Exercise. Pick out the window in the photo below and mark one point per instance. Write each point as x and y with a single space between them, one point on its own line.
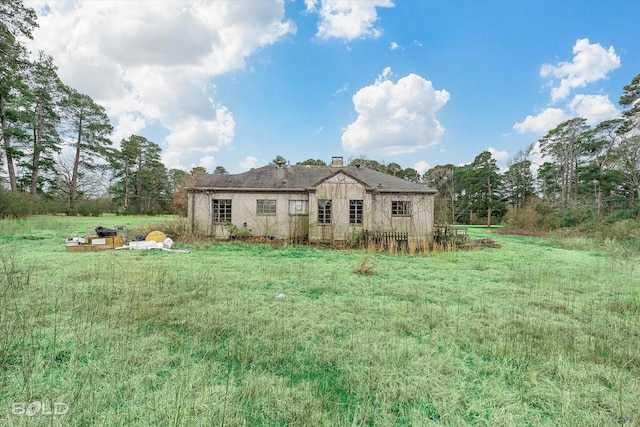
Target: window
324 211
298 207
221 211
355 211
265 207
400 208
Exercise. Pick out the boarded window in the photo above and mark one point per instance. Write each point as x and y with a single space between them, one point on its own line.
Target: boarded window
221 211
400 208
298 207
266 207
324 211
355 211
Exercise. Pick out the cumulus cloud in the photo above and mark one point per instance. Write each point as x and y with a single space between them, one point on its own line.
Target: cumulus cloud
591 62
208 162
594 108
249 162
347 19
422 167
150 63
395 118
395 46
498 155
543 122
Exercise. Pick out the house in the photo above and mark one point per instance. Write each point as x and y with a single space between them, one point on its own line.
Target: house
319 204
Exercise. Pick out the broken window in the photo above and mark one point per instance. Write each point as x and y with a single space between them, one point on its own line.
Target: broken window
298 207
355 211
324 211
400 208
221 211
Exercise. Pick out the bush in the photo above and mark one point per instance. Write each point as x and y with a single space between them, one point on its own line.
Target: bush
14 205
535 217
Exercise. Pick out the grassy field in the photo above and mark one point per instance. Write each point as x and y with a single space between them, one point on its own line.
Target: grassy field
530 334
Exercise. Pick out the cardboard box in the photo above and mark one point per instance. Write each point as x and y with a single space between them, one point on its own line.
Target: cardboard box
94 243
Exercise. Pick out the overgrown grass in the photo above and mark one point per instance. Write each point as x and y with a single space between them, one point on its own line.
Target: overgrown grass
529 334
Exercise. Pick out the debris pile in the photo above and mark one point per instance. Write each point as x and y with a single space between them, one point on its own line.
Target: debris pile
116 238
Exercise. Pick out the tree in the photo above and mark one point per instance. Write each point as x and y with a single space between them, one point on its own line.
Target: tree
196 171
628 160
441 178
369 164
16 22
143 183
410 174
88 124
564 146
45 92
220 170
394 169
279 160
518 179
90 184
599 146
178 180
312 162
485 186
630 99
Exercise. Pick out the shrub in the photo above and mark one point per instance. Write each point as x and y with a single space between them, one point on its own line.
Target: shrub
535 217
14 205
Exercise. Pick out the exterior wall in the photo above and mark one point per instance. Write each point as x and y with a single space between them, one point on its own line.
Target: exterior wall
244 215
419 224
339 189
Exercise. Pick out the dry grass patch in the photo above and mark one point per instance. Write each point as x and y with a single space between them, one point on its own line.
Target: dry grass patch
364 268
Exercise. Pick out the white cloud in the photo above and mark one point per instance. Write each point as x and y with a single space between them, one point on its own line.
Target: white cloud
150 63
395 118
249 162
594 108
128 124
543 122
395 46
498 155
192 136
591 62
347 19
422 167
208 162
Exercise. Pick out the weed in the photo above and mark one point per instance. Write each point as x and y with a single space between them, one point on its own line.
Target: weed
364 268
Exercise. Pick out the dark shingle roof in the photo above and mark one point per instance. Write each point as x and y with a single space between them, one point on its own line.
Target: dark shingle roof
300 178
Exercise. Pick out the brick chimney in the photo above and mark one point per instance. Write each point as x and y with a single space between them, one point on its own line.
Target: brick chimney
336 162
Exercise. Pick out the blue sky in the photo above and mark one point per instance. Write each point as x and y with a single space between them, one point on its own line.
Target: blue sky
419 83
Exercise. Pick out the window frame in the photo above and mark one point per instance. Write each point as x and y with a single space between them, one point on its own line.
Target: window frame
302 209
266 207
356 212
401 208
324 211
221 210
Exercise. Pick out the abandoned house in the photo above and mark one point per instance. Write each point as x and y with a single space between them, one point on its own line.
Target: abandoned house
318 204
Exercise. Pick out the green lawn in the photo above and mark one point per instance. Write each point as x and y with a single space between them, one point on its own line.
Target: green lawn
529 334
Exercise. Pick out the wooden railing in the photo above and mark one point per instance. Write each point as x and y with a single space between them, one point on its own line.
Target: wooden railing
397 240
